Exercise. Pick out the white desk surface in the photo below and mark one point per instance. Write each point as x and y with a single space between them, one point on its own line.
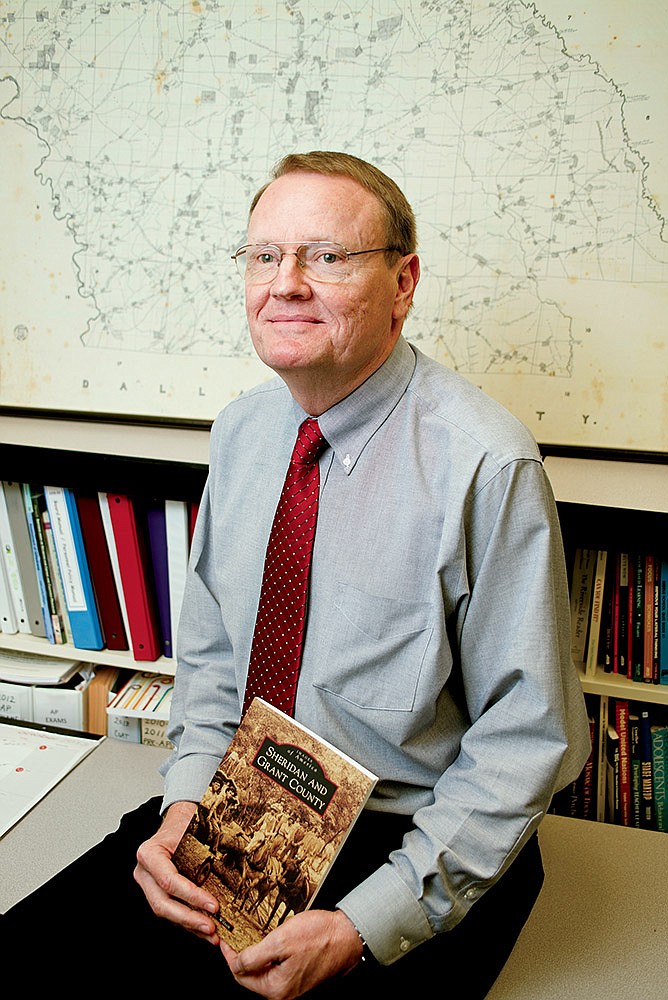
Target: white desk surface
598 931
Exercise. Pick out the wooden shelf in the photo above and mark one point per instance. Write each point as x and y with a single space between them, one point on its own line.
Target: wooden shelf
25 643
621 687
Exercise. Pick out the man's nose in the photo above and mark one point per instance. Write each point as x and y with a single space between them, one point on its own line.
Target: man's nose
289 278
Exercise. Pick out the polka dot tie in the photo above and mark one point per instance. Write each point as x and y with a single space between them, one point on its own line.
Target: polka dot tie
279 628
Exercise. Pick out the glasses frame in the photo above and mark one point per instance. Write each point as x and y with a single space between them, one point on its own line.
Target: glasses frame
271 274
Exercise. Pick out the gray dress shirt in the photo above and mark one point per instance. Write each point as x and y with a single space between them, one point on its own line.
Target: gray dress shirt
437 650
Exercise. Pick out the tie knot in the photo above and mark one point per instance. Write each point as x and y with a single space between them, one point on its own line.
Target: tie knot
310 443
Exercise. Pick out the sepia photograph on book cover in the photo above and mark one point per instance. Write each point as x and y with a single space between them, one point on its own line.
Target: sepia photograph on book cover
271 822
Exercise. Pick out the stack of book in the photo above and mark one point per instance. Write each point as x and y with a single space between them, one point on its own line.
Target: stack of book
102 570
619 613
624 779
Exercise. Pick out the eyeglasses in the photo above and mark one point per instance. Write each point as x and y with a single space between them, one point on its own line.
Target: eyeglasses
258 263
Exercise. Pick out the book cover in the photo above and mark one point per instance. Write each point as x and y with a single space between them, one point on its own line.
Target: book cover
659 765
178 552
648 629
103 501
637 641
271 823
612 813
601 758
663 621
597 610
46 595
8 622
582 581
647 789
620 638
104 584
98 695
74 569
56 577
134 566
21 544
621 723
636 769
156 522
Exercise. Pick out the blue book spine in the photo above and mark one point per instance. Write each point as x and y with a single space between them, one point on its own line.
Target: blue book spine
73 562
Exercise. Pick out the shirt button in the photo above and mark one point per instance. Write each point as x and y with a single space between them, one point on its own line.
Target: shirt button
404 945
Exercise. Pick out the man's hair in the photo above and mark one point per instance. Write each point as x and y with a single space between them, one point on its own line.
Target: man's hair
400 229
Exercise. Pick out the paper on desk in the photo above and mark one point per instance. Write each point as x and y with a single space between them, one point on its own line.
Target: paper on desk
33 759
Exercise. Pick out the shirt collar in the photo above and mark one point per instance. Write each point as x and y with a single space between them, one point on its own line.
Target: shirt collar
349 425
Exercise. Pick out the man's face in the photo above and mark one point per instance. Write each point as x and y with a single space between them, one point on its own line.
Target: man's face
320 337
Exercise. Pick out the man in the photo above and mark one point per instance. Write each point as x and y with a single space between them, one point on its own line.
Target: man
437 645
437 641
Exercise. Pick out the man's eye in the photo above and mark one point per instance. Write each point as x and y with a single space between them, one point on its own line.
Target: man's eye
328 257
266 257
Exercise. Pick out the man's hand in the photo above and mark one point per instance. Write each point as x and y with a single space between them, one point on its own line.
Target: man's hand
308 948
169 894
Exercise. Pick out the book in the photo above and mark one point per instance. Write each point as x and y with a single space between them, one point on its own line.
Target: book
621 615
56 577
103 500
621 723
601 758
636 769
104 583
156 522
659 767
648 629
596 616
26 586
22 667
134 566
8 623
178 552
98 695
663 621
612 813
636 617
647 789
74 568
46 595
582 582
271 823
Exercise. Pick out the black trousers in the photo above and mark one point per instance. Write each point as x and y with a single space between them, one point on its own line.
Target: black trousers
95 907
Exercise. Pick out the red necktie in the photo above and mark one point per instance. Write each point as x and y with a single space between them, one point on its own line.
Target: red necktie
279 627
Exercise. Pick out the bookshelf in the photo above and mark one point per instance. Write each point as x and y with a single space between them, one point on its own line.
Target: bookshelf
606 503
151 459
600 500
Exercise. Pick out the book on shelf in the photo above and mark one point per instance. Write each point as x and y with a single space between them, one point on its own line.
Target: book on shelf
621 724
601 758
663 621
156 523
582 582
636 768
612 812
647 788
8 623
133 560
56 577
47 595
597 612
636 617
22 667
659 768
104 584
620 612
271 823
178 553
74 568
648 630
18 549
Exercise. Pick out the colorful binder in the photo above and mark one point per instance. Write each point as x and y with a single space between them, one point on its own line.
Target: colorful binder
25 561
74 568
157 536
104 584
135 573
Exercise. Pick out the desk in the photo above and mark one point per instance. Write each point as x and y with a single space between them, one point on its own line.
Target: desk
598 931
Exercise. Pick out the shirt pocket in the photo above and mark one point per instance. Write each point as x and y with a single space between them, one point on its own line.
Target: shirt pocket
378 647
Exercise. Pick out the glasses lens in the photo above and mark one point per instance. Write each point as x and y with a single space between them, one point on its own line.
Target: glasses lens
259 263
325 261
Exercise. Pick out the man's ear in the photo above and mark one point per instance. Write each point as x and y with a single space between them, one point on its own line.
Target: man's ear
407 279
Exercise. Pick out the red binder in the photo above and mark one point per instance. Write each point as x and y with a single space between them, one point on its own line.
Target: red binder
104 585
135 572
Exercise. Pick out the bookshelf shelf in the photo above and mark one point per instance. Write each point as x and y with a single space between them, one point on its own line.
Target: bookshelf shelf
24 643
620 687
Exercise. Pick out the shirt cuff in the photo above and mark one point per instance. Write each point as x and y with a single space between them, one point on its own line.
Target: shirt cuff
386 916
